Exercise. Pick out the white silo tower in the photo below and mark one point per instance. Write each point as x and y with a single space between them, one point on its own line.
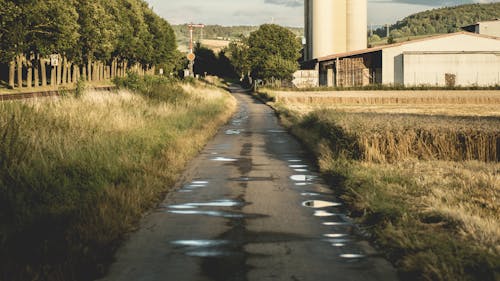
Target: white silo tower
357 25
334 26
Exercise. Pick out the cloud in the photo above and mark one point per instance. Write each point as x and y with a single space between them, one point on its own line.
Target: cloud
287 3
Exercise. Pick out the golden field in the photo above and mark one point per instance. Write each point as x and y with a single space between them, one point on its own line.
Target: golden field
419 170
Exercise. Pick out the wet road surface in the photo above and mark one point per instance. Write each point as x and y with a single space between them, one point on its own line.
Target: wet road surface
250 207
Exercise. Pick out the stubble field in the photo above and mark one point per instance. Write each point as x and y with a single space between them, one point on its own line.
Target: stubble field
420 171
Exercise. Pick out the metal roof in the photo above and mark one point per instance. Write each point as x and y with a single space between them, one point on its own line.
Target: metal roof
379 48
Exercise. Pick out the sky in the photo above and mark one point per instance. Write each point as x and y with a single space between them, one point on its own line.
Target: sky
282 12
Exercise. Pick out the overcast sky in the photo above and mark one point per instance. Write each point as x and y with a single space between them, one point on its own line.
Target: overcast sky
283 12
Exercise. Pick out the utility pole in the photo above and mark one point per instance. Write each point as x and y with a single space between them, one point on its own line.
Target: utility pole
191 55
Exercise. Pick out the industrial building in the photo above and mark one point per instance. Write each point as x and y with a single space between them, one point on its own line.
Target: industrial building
336 52
334 26
456 59
491 28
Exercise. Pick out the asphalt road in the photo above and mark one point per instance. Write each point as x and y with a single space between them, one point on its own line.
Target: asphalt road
246 210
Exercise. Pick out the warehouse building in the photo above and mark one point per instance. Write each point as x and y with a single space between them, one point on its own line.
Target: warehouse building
491 28
456 59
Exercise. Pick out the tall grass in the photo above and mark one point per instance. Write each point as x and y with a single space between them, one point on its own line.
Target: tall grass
435 219
77 173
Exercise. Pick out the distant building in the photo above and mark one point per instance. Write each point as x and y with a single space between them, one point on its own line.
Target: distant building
456 59
490 28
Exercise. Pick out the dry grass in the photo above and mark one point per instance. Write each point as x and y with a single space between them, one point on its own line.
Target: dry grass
451 103
77 173
404 172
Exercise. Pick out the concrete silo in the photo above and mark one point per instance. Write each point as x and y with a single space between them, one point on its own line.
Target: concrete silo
357 25
334 26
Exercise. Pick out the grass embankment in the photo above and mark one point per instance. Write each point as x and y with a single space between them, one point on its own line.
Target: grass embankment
403 176
78 173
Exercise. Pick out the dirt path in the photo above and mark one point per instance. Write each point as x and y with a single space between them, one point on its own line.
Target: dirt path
245 212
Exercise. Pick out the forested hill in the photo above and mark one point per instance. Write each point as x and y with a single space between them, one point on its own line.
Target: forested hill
443 20
220 32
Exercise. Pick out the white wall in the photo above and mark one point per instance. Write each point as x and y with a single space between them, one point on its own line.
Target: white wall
393 66
469 68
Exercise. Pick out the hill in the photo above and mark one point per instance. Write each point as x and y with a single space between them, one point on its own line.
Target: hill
218 32
443 20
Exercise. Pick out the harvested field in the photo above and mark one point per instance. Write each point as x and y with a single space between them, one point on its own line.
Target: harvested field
388 97
406 165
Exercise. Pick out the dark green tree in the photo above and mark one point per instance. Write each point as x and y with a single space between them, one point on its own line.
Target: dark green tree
273 52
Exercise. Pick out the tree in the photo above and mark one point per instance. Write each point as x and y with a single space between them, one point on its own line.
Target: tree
273 52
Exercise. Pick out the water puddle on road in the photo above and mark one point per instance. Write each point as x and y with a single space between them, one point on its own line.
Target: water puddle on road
276 131
336 223
224 159
218 203
294 161
310 194
303 178
200 243
335 235
208 253
303 183
233 132
317 204
323 214
200 182
352 256
298 166
301 170
207 213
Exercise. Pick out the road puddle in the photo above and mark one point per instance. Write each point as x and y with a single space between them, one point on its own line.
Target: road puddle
224 159
200 182
233 132
352 256
335 235
218 203
323 214
334 223
208 254
317 204
310 194
303 183
200 243
294 161
276 131
298 166
303 178
180 207
301 170
207 213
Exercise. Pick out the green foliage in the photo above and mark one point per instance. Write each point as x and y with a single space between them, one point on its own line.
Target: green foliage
444 20
207 62
233 33
84 31
157 89
273 52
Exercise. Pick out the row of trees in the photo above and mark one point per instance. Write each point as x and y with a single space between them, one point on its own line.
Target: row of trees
116 34
443 20
269 53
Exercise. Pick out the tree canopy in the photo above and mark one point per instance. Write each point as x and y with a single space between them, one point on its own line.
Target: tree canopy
273 52
85 30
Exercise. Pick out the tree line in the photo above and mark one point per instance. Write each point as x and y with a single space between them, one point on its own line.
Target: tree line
90 39
270 53
443 20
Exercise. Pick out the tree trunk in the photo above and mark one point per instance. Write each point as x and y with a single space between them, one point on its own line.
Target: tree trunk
64 71
36 71
43 69
53 77
59 71
29 76
19 71
89 71
76 71
12 74
112 69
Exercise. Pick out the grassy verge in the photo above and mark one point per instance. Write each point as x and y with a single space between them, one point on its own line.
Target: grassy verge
76 173
434 218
